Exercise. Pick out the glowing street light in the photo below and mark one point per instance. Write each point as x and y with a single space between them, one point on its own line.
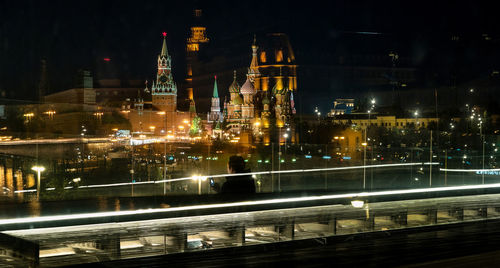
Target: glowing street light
357 203
50 113
199 179
38 169
28 116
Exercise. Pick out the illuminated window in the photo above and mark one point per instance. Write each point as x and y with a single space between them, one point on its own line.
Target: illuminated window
279 56
263 56
193 47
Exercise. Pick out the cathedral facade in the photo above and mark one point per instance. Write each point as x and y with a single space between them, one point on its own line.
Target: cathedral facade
263 107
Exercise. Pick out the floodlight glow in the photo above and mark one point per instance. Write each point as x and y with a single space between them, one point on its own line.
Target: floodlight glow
357 203
38 168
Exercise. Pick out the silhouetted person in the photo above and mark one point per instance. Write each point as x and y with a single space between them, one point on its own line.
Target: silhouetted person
237 184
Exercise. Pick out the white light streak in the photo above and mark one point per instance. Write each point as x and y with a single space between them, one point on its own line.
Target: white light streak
303 171
468 170
355 196
242 174
25 191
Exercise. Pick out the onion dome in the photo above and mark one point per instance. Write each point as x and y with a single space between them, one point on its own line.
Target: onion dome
238 100
266 99
277 90
234 87
247 88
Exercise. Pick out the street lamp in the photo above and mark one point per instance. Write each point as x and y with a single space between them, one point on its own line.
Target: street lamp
199 179
364 163
162 113
286 137
39 170
358 203
28 116
317 112
371 158
482 141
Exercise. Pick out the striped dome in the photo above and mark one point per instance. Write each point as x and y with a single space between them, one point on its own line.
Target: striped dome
234 87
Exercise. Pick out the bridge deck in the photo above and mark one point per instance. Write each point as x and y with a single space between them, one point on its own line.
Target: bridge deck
225 229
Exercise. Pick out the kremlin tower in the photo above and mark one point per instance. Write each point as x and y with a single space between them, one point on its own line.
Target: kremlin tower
164 90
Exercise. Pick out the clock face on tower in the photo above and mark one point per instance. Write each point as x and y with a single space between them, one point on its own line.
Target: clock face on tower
163 79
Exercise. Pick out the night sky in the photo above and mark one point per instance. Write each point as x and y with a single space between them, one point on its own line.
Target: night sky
74 35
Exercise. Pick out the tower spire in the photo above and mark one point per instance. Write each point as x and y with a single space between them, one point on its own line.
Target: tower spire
253 70
164 51
216 93
215 114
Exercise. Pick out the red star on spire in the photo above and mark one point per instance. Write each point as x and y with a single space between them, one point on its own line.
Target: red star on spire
215 77
164 34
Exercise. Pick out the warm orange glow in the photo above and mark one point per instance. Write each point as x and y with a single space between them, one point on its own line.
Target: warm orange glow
263 56
279 56
193 47
161 113
279 82
264 83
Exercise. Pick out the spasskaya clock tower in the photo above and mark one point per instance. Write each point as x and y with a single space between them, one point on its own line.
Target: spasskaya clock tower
164 89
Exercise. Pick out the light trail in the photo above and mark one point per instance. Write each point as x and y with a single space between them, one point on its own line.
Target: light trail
243 174
302 171
469 170
55 141
242 204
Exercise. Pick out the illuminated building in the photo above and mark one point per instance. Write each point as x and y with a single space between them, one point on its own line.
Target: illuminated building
164 91
160 115
197 38
342 106
266 95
